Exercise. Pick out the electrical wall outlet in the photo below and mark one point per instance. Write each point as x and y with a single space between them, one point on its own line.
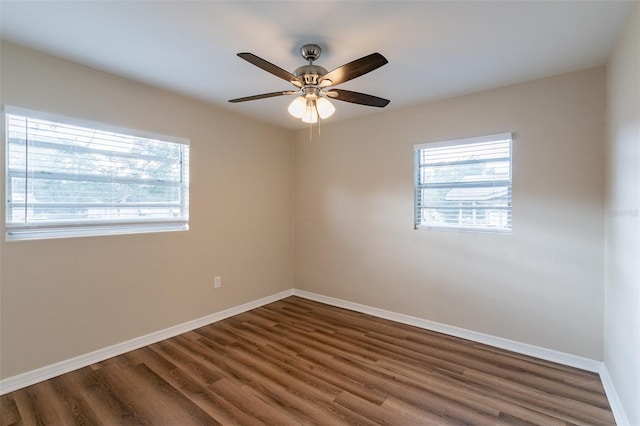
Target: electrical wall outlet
217 282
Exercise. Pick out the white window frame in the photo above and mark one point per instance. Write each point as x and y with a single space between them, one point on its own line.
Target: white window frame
57 229
417 149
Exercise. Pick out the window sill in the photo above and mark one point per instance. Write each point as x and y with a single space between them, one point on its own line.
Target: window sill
462 229
94 231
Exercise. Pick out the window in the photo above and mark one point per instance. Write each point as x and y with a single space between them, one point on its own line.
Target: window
72 178
464 184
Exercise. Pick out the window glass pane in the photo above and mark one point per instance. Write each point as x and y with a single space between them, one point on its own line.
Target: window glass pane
465 151
466 172
63 175
464 185
485 219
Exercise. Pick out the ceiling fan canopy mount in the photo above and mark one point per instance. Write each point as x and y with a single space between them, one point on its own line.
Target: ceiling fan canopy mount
315 84
310 52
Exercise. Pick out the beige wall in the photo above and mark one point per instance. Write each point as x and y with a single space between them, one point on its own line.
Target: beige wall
354 236
622 265
63 298
542 285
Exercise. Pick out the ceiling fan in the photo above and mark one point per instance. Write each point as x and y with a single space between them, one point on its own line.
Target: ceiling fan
314 84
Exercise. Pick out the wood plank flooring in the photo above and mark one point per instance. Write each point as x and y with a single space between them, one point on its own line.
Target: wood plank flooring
296 362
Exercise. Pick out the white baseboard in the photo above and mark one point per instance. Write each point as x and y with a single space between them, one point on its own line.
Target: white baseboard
612 396
29 378
498 342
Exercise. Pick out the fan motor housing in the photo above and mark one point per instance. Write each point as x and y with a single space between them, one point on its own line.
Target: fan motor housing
309 74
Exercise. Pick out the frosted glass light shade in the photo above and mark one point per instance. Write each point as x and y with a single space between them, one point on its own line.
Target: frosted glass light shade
325 108
310 114
297 107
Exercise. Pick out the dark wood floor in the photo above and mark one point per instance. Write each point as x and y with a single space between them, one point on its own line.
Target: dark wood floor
300 362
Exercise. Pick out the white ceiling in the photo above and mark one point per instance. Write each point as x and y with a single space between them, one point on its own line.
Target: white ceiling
435 49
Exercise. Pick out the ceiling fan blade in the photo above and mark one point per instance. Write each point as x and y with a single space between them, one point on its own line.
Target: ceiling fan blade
269 67
354 69
357 98
263 96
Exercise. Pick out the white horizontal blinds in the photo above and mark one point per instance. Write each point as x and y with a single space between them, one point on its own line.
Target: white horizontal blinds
464 184
63 176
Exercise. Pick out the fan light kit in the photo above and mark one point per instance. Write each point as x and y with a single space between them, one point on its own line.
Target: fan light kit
315 85
309 107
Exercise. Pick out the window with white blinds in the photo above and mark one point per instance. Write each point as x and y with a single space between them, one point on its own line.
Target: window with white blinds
464 184
66 178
